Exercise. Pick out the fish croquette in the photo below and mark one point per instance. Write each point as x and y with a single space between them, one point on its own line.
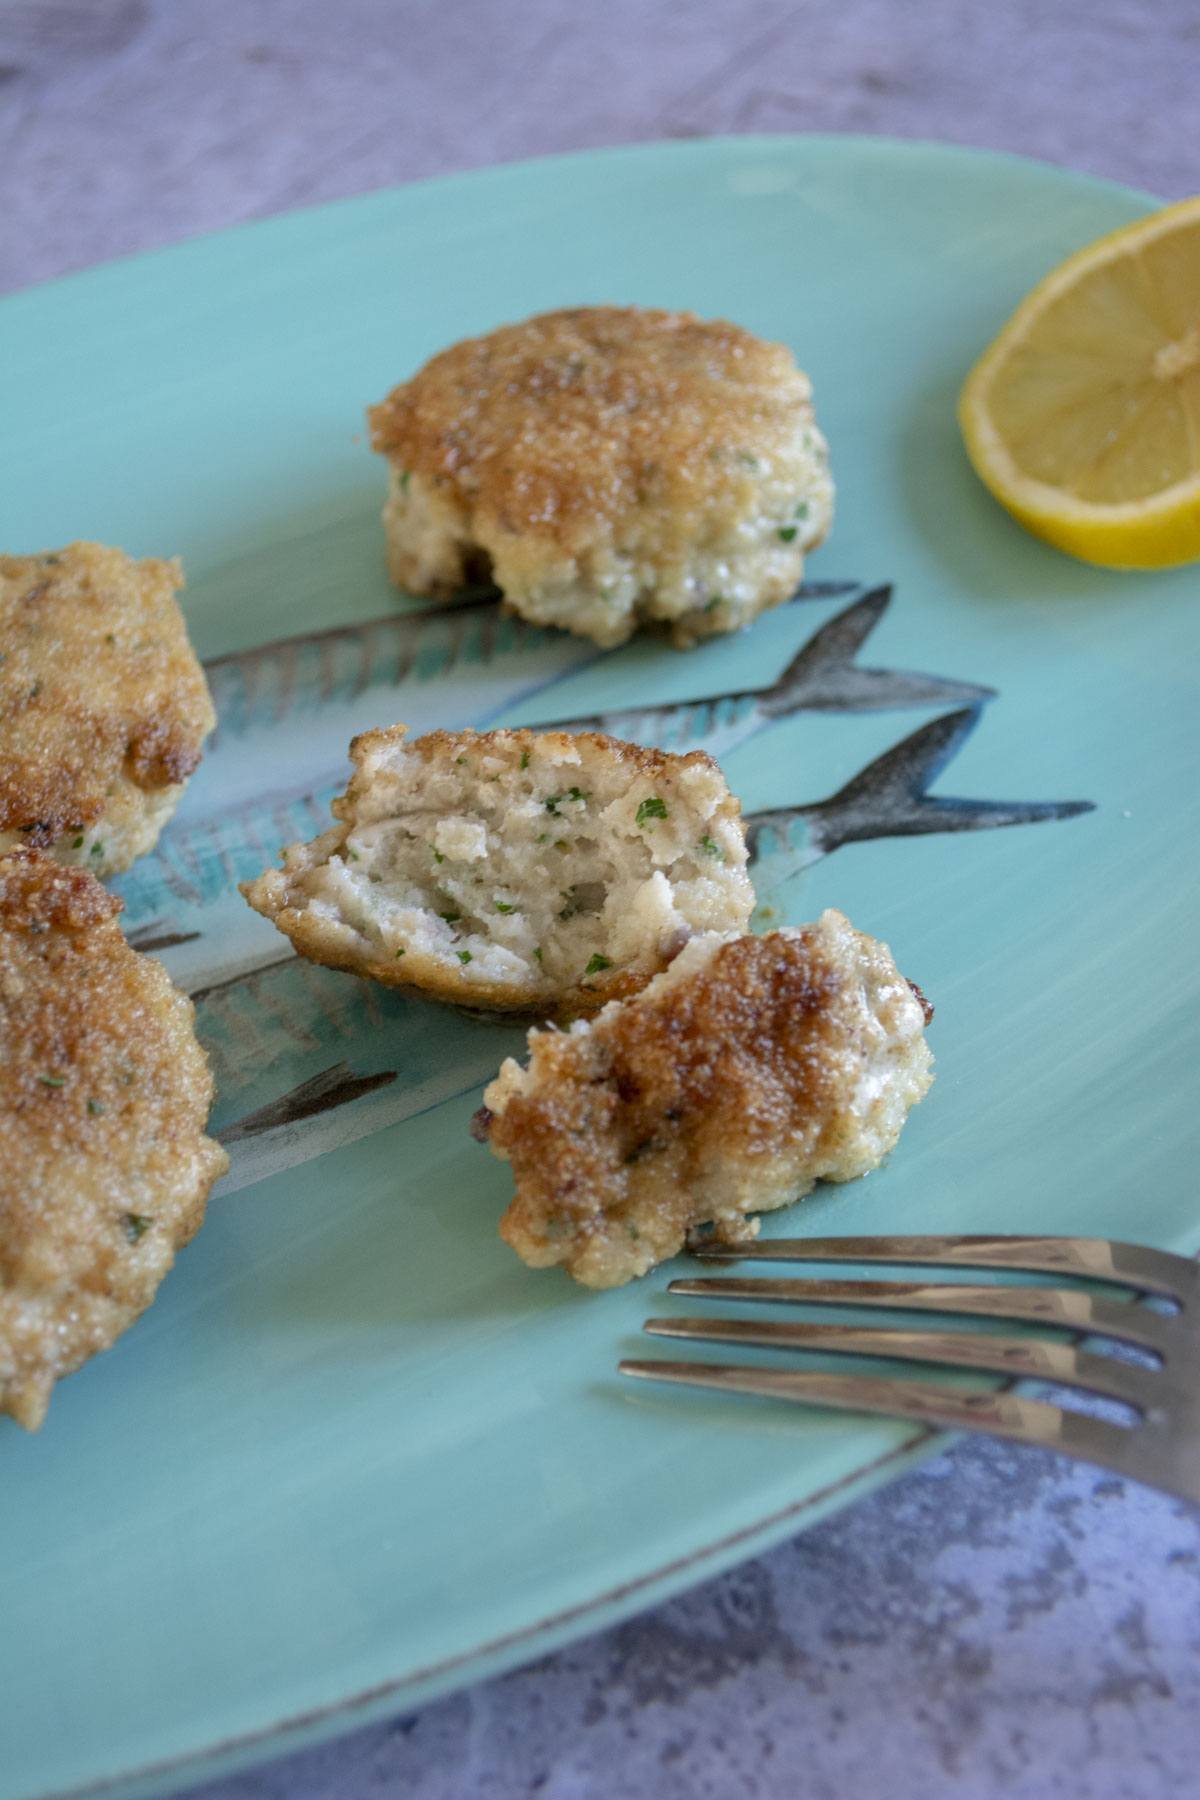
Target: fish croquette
104 1165
514 870
608 467
103 705
751 1069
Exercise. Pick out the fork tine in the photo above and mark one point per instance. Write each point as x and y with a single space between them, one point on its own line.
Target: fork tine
1036 1422
1068 1309
1096 1259
1020 1358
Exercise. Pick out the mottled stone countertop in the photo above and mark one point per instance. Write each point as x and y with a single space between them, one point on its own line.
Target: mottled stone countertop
994 1624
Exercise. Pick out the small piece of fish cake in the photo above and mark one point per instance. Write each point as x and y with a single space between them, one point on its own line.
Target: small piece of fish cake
514 870
752 1069
103 705
608 467
104 1165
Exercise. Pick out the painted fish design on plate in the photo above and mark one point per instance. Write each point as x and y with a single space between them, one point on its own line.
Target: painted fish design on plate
308 1058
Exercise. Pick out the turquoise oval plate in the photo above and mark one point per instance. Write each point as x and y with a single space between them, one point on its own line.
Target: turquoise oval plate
357 1454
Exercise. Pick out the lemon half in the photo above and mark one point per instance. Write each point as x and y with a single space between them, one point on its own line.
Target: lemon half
1083 416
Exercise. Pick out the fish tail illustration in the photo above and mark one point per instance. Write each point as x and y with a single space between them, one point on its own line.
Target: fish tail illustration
157 935
824 677
332 1087
307 1060
825 590
890 798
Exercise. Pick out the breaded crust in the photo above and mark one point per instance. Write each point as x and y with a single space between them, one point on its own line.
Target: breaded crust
620 454
104 1165
318 900
583 414
103 705
753 1068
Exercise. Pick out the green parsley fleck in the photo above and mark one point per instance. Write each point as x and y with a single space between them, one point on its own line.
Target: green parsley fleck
450 918
96 850
524 759
537 955
136 1226
96 1108
503 906
543 837
460 760
438 857
555 800
712 605
353 855
464 956
110 637
77 842
801 511
561 844
53 1080
405 478
653 808
711 849
400 952
596 962
787 533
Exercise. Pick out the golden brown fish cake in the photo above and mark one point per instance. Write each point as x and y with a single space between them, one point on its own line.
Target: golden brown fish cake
753 1068
608 467
103 705
514 870
104 1165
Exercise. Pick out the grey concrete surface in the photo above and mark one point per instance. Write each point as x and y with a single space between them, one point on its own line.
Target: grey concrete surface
995 1624
125 123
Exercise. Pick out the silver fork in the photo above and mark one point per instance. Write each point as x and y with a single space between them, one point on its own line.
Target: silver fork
1161 1447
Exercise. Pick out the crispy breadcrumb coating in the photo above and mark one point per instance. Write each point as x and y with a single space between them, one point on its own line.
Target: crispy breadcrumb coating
103 705
608 467
104 1165
753 1068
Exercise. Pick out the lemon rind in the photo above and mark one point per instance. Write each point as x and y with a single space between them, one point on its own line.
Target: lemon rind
1161 530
